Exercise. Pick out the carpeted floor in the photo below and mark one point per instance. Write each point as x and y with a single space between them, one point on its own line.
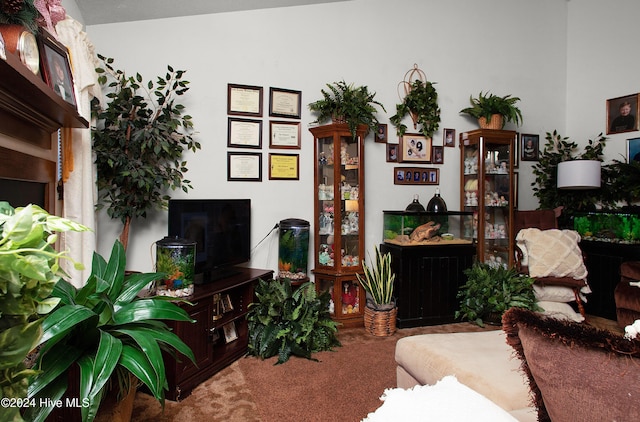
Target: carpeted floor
343 385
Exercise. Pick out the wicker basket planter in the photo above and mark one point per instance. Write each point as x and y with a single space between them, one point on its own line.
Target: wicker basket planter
496 122
380 323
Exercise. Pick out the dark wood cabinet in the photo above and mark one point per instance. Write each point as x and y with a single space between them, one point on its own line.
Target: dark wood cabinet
603 260
427 281
213 348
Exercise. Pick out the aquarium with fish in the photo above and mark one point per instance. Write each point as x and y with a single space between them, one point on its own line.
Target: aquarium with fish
607 226
415 228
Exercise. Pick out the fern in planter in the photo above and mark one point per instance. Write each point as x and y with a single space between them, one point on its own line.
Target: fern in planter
421 102
287 322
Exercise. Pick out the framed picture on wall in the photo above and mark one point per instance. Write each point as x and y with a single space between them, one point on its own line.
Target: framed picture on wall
529 147
622 114
392 153
416 176
449 138
414 147
438 155
244 133
381 135
633 150
285 103
244 100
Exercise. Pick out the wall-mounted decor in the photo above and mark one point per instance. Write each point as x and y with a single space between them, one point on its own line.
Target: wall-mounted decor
449 138
416 176
284 166
633 149
244 100
529 147
438 155
414 147
392 153
284 103
244 166
244 133
284 135
55 67
622 114
381 134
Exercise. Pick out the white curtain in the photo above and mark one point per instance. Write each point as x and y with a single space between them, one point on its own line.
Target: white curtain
80 189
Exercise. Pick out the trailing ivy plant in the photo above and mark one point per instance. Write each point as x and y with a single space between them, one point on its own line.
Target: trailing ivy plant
138 141
556 150
286 321
421 102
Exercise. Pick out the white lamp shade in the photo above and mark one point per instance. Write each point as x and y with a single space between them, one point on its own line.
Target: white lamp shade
579 174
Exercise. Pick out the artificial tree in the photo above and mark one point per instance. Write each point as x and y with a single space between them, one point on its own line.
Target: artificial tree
139 138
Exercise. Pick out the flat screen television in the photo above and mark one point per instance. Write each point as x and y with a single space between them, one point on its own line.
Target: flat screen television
221 229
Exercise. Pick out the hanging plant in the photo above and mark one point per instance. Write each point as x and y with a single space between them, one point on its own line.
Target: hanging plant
421 102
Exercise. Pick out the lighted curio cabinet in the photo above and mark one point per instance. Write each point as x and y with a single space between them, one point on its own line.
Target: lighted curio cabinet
487 189
339 219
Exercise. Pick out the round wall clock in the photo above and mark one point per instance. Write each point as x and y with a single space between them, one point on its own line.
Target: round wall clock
19 40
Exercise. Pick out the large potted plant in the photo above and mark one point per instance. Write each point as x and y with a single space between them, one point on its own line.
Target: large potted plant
284 321
421 103
492 289
139 138
493 111
342 102
113 334
29 270
380 311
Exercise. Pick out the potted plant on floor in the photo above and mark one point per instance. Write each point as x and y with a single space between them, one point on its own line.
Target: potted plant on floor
421 103
380 311
139 138
114 335
343 102
492 289
29 270
493 111
284 321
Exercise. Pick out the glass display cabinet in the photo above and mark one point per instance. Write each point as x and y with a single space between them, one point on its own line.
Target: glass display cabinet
486 164
339 219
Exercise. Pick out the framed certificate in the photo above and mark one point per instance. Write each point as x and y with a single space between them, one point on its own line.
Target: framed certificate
284 135
284 167
244 133
244 166
284 103
244 100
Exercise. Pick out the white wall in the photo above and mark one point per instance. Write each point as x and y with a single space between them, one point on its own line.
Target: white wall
513 47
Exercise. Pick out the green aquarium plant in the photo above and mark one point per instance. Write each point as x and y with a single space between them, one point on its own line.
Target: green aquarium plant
492 289
29 270
110 331
286 322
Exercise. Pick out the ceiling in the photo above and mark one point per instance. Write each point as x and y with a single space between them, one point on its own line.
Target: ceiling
97 12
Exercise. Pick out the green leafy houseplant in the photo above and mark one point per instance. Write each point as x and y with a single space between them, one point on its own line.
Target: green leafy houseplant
421 102
491 290
286 322
484 106
346 102
623 181
110 332
138 141
556 150
29 270
378 281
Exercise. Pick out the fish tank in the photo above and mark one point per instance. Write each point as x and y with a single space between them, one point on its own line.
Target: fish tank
607 226
418 228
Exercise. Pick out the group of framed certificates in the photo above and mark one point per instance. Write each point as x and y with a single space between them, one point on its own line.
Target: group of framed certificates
245 127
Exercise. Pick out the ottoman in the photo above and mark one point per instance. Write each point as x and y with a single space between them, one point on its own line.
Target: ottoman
626 295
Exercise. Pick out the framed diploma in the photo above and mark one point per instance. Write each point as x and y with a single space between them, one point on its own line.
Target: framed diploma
244 133
284 166
244 166
284 103
244 100
284 135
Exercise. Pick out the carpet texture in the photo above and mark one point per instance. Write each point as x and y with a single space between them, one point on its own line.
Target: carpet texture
345 384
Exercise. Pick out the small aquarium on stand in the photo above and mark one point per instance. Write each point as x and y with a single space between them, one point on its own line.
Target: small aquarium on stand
175 257
418 228
293 250
608 226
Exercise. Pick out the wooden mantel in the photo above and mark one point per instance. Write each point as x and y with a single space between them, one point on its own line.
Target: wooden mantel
29 109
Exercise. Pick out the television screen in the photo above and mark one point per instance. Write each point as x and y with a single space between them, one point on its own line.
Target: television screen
221 229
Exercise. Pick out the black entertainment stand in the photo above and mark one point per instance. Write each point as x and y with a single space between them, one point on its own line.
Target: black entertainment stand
215 343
